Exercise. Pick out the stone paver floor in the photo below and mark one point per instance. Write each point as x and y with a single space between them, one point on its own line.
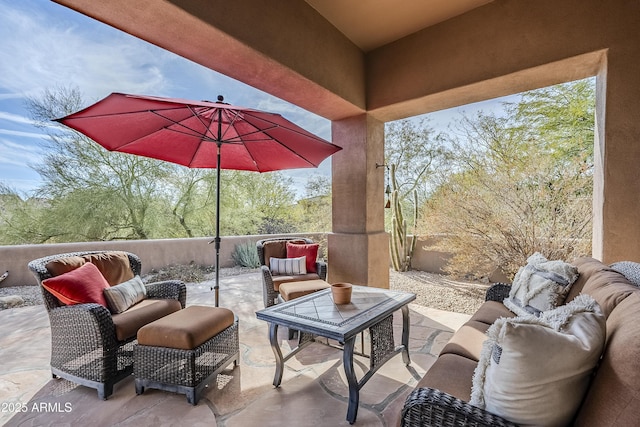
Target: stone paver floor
313 391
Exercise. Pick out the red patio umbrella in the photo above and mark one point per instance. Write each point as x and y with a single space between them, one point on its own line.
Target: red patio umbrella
200 134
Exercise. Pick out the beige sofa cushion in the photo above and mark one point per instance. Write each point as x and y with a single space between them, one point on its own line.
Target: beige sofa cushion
467 341
146 311
452 374
114 266
64 265
490 311
605 285
613 398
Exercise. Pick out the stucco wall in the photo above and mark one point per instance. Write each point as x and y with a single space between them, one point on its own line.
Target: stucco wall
154 253
159 253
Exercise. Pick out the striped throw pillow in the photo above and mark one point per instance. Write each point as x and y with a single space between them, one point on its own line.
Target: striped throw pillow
288 266
121 297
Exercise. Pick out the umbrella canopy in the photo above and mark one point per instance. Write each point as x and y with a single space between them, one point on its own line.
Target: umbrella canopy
200 134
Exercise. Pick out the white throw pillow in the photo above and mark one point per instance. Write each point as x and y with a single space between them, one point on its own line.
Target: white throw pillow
535 370
126 294
540 285
288 266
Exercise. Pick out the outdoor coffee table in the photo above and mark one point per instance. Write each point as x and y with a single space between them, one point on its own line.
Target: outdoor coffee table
317 315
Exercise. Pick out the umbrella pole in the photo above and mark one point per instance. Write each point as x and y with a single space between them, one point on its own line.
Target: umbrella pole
217 239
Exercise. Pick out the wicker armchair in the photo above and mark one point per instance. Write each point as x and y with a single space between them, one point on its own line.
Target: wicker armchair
85 348
269 283
431 407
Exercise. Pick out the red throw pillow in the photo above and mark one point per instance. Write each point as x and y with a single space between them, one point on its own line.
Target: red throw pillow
295 250
82 285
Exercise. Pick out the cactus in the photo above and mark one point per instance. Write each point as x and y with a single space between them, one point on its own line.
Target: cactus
401 245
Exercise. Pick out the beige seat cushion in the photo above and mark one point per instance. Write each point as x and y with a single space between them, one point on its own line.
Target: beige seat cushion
452 374
186 329
490 311
278 280
467 341
293 290
127 323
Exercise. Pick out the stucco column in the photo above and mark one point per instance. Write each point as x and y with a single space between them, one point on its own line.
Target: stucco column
358 245
616 199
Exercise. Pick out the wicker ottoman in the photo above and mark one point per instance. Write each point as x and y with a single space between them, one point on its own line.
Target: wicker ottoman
185 350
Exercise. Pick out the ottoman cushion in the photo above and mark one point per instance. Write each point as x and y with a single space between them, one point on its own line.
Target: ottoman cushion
146 311
186 329
293 290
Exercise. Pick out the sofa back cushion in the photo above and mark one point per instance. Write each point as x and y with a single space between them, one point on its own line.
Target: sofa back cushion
114 266
64 265
85 284
613 398
274 249
606 286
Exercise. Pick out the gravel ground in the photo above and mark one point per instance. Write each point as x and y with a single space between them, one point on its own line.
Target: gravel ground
432 290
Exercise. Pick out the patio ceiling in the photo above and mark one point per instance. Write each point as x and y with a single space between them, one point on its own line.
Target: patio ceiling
370 24
312 53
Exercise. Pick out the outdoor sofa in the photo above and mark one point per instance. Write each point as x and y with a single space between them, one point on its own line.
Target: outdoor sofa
92 343
612 388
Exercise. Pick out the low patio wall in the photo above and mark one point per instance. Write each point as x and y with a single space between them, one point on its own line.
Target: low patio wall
156 254
153 253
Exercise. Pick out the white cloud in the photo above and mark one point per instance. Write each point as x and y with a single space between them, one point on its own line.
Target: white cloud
37 54
22 155
22 134
16 118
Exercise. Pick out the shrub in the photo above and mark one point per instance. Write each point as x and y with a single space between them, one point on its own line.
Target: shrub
246 255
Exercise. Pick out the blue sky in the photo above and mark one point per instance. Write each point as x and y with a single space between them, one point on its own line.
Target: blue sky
45 45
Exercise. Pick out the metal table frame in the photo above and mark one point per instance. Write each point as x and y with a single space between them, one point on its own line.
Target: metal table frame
316 315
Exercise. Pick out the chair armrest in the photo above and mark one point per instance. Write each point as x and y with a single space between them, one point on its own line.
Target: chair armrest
79 329
269 293
321 269
168 289
498 292
432 407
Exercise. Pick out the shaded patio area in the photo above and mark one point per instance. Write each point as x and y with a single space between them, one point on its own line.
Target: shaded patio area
313 391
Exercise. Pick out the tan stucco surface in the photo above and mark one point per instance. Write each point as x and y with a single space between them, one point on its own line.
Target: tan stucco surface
506 46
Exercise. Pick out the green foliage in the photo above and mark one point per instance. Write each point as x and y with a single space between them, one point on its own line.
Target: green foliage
91 194
246 255
522 183
316 206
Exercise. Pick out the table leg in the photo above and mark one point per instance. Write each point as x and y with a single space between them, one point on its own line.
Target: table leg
405 335
273 338
354 389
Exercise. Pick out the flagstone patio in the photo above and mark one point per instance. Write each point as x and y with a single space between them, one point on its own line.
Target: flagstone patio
313 391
